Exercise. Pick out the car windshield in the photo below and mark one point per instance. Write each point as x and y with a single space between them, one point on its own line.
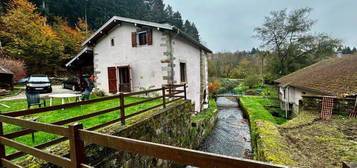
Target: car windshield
39 79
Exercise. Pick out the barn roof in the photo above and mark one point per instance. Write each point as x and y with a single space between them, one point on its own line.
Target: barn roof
334 76
4 70
115 20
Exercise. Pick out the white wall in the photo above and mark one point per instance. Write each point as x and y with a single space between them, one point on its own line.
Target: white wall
145 61
184 52
292 94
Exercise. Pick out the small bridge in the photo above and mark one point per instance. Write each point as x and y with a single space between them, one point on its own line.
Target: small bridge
228 95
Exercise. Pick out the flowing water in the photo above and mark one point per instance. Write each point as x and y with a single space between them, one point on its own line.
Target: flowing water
231 135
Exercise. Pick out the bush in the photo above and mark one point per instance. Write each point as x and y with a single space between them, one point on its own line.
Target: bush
252 81
98 93
213 87
16 66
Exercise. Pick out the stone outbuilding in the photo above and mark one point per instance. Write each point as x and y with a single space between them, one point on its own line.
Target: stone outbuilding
336 76
128 55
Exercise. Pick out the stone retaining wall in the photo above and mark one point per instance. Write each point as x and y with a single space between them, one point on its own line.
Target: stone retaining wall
170 126
341 106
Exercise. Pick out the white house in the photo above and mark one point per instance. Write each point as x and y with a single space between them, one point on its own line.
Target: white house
336 76
127 55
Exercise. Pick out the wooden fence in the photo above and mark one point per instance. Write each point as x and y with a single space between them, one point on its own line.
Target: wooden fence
77 136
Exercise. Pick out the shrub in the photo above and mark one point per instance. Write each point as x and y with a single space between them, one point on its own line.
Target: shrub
15 66
252 81
99 93
213 87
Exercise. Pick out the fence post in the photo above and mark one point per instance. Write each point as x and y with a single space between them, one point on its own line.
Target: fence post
122 108
2 146
76 145
184 89
163 97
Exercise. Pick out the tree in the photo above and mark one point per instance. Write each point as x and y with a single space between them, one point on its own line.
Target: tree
287 35
26 37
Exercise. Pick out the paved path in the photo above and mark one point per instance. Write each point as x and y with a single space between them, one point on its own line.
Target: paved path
55 90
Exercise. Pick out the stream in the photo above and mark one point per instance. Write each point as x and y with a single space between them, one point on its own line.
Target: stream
231 135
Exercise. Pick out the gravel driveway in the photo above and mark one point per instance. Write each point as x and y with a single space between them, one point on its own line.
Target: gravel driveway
55 90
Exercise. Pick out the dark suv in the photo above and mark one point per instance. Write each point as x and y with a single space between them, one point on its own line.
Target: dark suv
72 83
39 83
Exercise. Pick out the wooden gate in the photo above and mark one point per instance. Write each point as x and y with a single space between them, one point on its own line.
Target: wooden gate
112 80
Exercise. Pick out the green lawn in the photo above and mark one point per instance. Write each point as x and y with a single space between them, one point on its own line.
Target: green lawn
58 115
207 113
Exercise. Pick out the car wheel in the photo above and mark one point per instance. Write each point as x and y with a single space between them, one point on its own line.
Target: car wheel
74 88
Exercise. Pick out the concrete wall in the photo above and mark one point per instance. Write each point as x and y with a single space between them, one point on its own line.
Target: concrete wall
150 64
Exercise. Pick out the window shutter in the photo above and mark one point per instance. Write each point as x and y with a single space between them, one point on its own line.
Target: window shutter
149 37
133 39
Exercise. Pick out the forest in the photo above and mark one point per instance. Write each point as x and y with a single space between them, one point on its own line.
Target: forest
44 34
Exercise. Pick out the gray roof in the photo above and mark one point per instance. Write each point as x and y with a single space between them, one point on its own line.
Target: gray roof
116 20
3 70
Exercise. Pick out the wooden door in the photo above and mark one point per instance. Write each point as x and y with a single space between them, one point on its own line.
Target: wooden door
124 79
112 79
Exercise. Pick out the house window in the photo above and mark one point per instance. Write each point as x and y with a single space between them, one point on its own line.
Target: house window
142 38
183 74
112 42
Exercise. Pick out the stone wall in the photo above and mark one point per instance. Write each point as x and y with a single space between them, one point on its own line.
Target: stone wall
342 106
170 126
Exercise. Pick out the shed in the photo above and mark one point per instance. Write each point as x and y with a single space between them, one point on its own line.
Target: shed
6 78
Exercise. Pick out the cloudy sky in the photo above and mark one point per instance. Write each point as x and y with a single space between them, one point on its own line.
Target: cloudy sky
228 25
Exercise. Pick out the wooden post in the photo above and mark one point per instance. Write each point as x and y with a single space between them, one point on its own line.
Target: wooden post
122 109
185 94
77 154
163 97
2 146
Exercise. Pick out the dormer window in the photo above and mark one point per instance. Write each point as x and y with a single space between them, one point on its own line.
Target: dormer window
143 38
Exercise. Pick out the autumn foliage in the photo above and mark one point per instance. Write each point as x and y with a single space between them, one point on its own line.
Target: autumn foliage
15 66
25 35
213 87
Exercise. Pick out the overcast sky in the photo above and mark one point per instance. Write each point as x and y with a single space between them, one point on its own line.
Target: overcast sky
228 25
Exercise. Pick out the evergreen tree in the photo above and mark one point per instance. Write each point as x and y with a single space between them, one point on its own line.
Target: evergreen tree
177 20
354 50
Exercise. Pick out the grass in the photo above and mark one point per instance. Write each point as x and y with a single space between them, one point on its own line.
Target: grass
208 113
57 115
321 143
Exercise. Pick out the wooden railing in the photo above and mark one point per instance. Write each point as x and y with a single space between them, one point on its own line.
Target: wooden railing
166 92
77 136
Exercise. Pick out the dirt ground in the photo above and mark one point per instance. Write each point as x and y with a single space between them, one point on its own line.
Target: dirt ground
321 143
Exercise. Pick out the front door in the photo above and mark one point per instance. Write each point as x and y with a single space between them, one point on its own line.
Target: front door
112 80
124 79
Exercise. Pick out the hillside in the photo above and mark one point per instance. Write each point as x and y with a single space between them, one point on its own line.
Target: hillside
100 11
